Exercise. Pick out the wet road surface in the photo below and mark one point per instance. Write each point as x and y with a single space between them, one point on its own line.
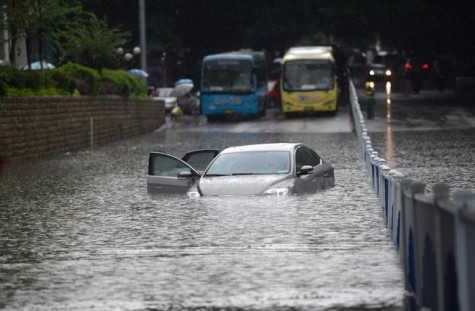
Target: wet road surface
429 137
80 232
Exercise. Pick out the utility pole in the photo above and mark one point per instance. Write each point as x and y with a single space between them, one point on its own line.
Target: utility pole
143 44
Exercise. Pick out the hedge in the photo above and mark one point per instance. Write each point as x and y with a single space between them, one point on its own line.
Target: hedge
73 79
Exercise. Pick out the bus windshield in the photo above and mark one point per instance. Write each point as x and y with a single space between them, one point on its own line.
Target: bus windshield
228 75
308 75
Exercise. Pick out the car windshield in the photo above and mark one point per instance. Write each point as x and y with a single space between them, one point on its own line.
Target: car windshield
250 163
227 75
378 59
308 75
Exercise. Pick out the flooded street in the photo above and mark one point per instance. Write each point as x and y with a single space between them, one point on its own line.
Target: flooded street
81 233
429 137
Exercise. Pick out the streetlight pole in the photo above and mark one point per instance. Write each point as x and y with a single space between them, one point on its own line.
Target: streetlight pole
143 45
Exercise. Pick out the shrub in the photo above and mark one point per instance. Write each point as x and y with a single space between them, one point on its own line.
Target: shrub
70 79
11 91
122 83
26 79
87 80
115 82
62 81
139 87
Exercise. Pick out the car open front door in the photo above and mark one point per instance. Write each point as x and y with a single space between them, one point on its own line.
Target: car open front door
168 174
163 170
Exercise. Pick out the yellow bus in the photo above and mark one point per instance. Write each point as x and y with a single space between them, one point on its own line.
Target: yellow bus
309 80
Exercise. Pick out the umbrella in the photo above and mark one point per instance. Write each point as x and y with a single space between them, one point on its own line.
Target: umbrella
37 65
182 87
139 73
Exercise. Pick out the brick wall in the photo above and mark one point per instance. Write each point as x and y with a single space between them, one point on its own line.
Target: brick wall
33 127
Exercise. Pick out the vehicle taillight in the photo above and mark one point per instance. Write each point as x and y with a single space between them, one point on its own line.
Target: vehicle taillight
408 66
425 66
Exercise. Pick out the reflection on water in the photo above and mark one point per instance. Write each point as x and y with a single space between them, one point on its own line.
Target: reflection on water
389 132
388 88
81 233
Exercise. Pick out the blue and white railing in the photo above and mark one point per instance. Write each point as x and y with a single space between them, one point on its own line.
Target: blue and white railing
434 235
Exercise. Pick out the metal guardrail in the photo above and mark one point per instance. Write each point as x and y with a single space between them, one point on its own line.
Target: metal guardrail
434 235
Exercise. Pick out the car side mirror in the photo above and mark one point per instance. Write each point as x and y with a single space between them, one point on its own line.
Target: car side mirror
184 175
306 169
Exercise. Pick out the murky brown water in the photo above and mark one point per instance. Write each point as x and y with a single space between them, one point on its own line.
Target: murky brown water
81 233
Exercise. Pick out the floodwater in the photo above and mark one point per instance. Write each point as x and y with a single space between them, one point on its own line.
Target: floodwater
81 233
428 137
432 157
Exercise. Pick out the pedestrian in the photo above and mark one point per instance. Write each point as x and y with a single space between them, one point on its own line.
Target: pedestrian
370 99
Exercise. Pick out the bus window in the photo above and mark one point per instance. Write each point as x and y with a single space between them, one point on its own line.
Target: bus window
227 75
308 75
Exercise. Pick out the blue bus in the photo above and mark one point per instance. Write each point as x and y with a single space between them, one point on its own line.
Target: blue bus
234 84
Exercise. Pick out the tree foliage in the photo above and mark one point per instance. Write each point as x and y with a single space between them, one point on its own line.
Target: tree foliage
38 20
94 44
76 35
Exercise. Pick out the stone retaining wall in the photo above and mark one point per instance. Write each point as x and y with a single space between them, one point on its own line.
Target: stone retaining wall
34 127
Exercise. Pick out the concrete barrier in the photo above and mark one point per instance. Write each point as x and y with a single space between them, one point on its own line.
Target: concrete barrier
465 251
434 235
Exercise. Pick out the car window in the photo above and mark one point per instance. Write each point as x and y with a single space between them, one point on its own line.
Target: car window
200 159
165 92
251 163
165 165
378 59
305 156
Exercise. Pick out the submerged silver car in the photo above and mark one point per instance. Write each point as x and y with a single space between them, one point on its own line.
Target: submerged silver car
262 169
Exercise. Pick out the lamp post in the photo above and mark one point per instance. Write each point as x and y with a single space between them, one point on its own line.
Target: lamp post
129 56
143 46
142 50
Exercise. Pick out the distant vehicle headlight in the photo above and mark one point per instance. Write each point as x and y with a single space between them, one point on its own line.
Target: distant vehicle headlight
277 191
388 72
372 73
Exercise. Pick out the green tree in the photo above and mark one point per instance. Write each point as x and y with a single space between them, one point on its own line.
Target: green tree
37 20
94 44
77 36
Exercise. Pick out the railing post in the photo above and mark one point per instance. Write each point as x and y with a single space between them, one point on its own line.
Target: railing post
372 161
379 177
427 251
396 215
410 188
446 269
383 197
465 237
390 200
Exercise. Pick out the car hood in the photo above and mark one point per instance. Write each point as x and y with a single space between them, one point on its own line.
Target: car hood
239 185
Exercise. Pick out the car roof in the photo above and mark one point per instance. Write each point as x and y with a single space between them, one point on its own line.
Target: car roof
262 147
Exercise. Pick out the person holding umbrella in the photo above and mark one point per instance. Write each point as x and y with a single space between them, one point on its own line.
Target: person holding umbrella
187 103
